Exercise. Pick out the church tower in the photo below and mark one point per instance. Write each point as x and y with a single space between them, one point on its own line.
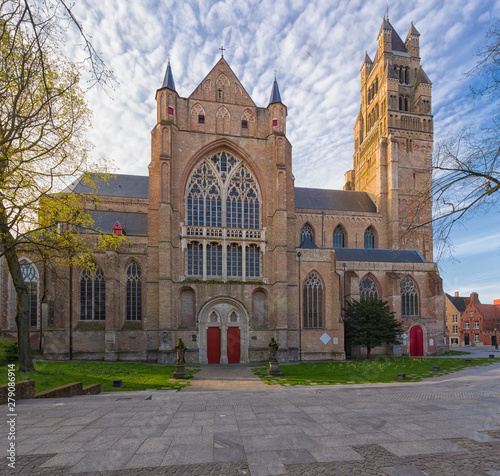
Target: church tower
393 139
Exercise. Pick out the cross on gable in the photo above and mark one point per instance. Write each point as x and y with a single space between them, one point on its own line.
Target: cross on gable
222 49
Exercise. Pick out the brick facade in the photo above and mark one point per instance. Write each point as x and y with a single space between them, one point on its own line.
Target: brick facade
391 164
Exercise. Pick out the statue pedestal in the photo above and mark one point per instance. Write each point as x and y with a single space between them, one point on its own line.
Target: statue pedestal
180 371
273 368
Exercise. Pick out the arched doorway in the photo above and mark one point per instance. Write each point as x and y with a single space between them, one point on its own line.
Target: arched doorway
223 332
416 342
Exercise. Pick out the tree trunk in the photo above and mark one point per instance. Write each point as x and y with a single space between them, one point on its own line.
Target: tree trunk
368 352
22 309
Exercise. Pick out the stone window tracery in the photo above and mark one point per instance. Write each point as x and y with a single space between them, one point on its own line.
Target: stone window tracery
306 233
369 238
313 301
222 201
368 289
92 295
30 278
134 293
409 297
338 237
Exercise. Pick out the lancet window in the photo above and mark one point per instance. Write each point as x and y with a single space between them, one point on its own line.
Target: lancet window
30 278
368 289
306 233
134 293
92 295
223 201
338 237
369 238
313 301
409 297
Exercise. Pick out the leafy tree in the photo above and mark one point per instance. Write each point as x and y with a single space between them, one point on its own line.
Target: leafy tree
370 322
43 122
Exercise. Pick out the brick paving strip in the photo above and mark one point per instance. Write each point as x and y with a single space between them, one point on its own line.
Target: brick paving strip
449 425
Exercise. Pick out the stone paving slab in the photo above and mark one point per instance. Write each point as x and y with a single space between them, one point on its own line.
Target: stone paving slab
385 429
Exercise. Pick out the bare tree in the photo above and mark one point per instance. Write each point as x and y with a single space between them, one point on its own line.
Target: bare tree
466 171
43 126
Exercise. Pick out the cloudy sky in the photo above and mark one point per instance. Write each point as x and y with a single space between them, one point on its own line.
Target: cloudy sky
317 48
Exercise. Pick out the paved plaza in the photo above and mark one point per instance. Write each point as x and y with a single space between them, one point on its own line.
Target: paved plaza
228 423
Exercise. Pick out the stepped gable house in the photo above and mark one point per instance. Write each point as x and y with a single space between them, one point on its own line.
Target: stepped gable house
224 251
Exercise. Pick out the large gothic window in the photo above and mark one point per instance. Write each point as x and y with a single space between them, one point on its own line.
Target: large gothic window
409 297
223 201
92 295
369 238
31 280
338 237
134 293
368 289
306 233
313 301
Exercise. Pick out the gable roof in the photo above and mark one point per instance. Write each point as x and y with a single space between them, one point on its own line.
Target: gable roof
489 311
168 80
379 255
342 200
131 223
459 302
222 67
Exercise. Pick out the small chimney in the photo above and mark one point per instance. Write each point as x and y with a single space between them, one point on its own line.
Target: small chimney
474 298
496 302
457 294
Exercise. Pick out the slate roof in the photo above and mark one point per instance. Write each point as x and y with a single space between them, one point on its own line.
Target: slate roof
168 80
308 244
131 223
275 93
367 59
342 200
458 301
378 255
132 186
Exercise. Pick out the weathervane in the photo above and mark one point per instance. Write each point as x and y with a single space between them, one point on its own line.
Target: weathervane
387 11
222 51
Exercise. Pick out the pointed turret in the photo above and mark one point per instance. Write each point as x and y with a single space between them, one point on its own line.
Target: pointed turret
168 81
367 59
275 93
413 41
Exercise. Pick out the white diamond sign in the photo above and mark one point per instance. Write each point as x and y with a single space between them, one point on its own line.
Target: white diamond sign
325 338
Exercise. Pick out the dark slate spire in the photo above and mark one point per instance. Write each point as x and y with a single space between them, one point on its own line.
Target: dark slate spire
168 81
367 58
413 30
275 92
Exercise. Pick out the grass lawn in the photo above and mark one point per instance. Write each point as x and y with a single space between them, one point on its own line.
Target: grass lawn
457 352
365 371
134 376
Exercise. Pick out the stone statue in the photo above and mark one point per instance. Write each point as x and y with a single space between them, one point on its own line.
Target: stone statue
180 349
272 349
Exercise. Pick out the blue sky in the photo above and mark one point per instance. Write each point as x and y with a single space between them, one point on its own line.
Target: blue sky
317 48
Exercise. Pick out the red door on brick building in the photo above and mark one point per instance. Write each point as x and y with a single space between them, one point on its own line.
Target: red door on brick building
213 345
416 342
233 345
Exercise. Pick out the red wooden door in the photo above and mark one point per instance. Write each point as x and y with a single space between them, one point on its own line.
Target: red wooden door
233 345
213 345
416 342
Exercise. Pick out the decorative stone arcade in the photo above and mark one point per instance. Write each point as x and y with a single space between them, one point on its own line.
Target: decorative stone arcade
223 332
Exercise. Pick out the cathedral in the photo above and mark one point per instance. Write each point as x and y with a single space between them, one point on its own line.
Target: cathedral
225 252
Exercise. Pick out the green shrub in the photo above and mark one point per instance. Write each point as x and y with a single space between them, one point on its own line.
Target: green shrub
8 351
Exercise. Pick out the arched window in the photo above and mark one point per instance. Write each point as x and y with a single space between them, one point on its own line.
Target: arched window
93 295
369 238
221 185
134 293
31 280
313 301
195 259
204 203
252 261
338 237
234 261
406 104
306 233
214 260
367 289
400 103
409 297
